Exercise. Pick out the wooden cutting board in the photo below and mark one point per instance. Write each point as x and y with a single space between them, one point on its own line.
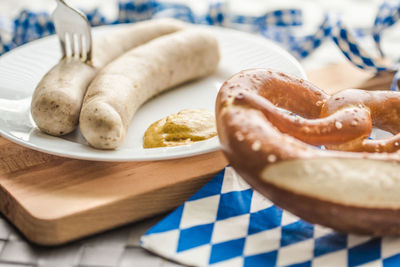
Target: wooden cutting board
54 200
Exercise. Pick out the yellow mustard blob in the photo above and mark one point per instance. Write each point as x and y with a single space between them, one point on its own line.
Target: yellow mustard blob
185 127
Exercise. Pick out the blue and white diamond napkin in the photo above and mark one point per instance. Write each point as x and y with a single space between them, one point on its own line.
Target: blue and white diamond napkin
226 223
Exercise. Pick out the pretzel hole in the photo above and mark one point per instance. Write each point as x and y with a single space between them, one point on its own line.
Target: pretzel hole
378 134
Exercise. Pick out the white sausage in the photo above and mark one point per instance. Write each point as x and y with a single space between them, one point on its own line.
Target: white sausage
57 99
125 84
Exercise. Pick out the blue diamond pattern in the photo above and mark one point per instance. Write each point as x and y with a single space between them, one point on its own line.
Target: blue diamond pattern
365 252
210 189
263 259
265 219
354 48
234 203
343 34
227 250
195 236
367 61
296 232
171 222
329 243
393 261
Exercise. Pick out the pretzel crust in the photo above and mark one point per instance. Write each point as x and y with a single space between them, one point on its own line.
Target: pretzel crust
252 136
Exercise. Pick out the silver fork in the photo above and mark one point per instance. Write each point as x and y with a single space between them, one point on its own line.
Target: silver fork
73 30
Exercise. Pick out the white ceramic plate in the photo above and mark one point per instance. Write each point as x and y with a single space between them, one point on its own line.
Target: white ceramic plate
22 68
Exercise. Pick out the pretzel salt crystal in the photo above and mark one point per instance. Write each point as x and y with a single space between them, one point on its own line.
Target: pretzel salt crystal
350 192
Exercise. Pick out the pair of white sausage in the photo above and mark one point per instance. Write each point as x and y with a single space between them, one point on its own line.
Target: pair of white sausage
57 100
115 92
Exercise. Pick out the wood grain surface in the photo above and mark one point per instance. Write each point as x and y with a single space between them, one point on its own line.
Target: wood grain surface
54 200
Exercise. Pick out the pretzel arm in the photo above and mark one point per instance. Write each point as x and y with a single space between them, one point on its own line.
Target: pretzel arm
388 145
342 126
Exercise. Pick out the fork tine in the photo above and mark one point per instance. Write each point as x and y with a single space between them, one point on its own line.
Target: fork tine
82 53
68 45
88 48
84 47
73 45
63 44
78 46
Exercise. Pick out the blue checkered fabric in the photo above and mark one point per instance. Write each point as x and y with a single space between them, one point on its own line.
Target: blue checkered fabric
388 14
302 46
282 26
349 45
226 223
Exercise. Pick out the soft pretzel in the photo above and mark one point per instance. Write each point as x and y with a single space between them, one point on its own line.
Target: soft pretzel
348 191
